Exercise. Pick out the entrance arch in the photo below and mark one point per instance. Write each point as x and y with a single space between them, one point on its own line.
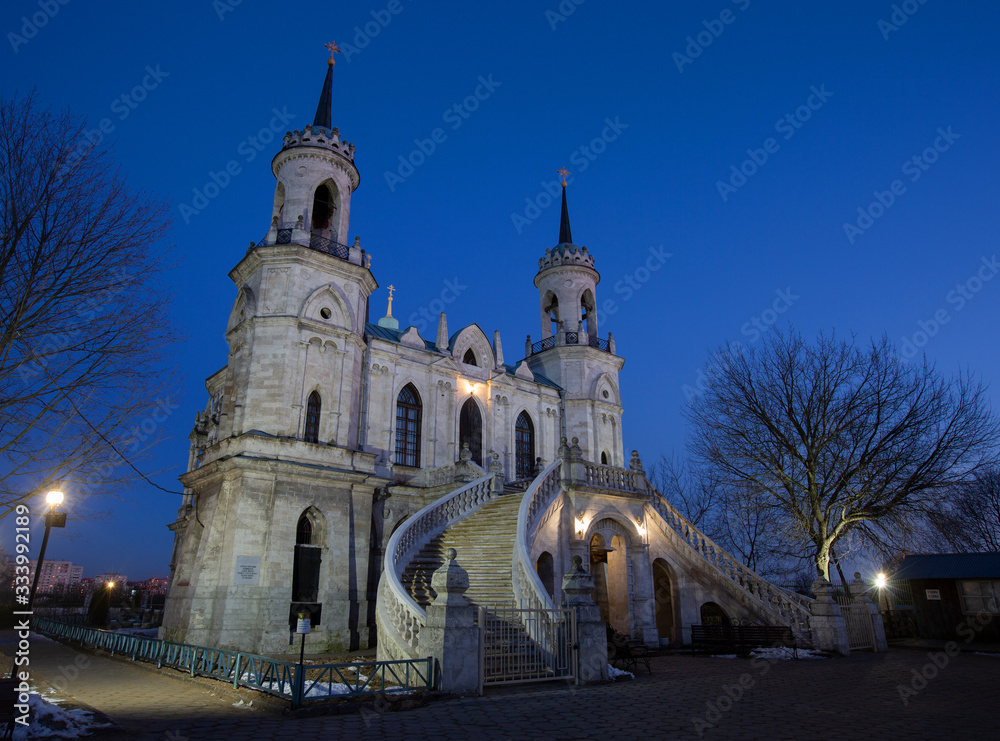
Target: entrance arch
663 596
712 614
611 569
470 430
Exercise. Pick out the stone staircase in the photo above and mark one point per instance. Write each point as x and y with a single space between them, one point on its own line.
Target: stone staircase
484 542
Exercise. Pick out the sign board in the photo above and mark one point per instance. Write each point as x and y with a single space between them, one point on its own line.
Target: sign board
247 571
302 625
933 594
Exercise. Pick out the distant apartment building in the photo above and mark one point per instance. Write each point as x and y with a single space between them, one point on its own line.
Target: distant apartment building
58 576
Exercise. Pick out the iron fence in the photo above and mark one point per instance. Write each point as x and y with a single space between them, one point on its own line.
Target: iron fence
283 679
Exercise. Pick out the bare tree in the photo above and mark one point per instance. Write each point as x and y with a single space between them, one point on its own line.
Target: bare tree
838 439
971 522
82 317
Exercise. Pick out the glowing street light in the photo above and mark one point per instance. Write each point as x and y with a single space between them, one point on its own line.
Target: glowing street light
111 585
880 580
52 519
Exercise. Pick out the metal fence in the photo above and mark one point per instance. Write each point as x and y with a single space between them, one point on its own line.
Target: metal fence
526 645
283 679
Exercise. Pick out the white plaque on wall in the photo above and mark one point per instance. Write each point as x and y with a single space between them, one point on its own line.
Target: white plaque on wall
933 594
247 571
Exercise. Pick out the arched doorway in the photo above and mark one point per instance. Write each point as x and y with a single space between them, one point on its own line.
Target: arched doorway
546 572
599 573
470 430
610 571
663 597
712 614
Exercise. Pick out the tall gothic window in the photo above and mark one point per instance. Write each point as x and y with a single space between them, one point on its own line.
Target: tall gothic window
408 410
312 417
305 567
524 447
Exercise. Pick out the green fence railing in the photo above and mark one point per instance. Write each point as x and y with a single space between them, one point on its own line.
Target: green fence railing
284 679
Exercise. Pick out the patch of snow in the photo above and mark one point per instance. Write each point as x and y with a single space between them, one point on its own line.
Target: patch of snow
243 705
614 673
725 656
983 653
51 721
783 653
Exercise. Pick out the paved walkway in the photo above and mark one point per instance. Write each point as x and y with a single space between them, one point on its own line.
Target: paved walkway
855 696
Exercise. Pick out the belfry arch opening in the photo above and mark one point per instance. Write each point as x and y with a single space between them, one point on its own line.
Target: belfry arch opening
323 208
550 314
588 313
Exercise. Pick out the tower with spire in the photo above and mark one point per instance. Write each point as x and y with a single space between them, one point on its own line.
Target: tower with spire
571 352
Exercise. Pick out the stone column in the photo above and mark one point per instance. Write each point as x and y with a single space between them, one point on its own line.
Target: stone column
829 629
861 595
450 635
591 635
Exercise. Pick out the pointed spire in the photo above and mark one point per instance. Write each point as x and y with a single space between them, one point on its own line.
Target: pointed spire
389 321
442 338
324 111
565 234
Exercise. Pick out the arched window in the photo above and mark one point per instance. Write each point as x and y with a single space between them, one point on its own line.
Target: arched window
524 447
312 418
546 572
323 208
305 567
470 358
408 412
604 458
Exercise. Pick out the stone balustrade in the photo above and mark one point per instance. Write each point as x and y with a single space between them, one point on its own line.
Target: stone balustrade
529 591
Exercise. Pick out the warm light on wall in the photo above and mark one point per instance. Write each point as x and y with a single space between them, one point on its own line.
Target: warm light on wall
581 526
470 387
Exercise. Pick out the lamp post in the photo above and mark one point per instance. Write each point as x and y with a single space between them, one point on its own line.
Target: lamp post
52 519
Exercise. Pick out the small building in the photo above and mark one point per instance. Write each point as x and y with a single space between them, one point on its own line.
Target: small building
955 596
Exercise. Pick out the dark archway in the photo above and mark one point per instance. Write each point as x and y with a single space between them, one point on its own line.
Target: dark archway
308 558
524 447
408 414
712 614
663 597
470 430
546 572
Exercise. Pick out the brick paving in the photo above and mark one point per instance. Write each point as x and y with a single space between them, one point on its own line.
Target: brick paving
779 700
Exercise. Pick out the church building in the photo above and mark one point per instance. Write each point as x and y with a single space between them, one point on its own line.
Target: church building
325 433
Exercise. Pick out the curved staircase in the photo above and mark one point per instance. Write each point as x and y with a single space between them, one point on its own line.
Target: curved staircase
484 541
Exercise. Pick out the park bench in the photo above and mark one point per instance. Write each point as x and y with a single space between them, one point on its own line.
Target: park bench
625 653
740 638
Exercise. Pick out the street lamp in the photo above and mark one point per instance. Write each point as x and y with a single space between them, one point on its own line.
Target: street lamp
52 519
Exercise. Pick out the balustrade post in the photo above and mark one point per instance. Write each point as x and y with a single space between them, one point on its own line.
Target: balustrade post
591 635
829 629
449 636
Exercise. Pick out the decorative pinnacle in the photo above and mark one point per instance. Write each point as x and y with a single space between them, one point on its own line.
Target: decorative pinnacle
564 172
332 46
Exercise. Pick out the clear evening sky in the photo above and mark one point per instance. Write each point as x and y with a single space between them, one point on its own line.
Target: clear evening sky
720 152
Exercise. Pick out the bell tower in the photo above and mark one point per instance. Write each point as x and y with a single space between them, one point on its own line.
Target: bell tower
571 352
316 177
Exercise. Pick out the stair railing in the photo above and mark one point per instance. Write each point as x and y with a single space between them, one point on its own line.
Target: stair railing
398 614
776 601
529 592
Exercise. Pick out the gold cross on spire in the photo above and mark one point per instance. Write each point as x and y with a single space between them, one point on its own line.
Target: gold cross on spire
391 289
332 46
564 172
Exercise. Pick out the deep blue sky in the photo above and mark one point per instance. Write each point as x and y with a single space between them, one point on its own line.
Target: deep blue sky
654 185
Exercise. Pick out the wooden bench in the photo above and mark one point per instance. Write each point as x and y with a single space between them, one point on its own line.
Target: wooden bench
740 639
625 653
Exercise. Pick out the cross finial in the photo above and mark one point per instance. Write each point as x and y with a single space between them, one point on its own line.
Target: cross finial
332 46
391 289
564 172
